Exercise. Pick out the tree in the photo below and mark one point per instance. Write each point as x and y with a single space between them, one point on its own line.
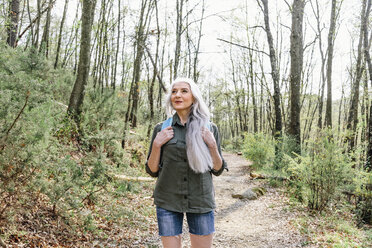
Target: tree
323 60
60 33
37 31
77 94
274 72
296 51
368 164
254 102
140 39
179 31
352 120
12 27
44 45
331 39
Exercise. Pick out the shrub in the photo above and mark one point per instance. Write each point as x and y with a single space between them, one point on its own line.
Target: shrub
285 145
320 172
363 191
259 148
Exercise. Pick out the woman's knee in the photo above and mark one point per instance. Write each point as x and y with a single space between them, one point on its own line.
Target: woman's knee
201 241
171 241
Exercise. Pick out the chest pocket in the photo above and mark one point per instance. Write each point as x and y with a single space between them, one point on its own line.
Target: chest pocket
173 150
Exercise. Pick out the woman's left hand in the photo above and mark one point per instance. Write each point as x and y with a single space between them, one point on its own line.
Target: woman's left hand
208 138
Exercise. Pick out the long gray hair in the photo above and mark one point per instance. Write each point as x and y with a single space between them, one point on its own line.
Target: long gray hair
198 154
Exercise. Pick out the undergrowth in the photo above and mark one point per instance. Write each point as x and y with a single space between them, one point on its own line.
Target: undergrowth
324 186
58 187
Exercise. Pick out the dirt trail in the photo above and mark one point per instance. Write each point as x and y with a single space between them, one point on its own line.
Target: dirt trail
264 222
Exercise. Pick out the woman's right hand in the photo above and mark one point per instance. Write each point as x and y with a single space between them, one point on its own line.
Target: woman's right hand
164 136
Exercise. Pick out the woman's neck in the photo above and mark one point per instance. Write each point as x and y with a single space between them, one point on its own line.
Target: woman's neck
183 115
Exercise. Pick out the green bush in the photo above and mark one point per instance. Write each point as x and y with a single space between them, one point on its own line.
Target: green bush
39 154
259 148
321 172
363 190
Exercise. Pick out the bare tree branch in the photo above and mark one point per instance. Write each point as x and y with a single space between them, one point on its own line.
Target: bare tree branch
311 43
155 67
289 6
257 26
242 46
285 26
33 21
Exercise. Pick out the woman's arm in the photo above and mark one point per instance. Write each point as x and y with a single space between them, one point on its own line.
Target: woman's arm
161 138
216 158
209 139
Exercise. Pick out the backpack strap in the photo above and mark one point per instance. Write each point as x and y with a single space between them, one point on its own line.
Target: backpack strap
168 123
209 126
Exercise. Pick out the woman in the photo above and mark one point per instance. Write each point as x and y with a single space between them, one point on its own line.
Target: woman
184 156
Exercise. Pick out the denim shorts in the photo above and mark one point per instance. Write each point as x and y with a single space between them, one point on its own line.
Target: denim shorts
170 223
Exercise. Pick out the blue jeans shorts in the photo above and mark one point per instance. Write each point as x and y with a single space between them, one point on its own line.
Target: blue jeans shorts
170 223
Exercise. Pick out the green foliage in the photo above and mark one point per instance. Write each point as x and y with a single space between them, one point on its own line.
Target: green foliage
28 117
259 148
322 171
234 144
363 190
42 162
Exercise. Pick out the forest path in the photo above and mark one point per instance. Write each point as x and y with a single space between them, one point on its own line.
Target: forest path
264 222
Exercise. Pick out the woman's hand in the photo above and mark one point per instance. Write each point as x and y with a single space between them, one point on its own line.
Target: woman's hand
208 138
163 136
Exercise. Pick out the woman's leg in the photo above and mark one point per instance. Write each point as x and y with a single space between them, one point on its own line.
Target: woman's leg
201 228
171 241
170 227
201 241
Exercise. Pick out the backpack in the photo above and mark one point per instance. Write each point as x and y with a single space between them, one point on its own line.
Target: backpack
168 123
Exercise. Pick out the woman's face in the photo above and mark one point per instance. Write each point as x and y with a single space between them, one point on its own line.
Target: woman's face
181 97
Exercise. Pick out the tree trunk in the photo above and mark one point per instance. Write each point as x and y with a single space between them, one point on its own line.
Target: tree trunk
296 51
339 110
155 71
323 59
74 32
352 120
22 17
139 43
237 95
274 72
331 40
117 46
177 53
31 26
77 94
44 45
252 76
196 58
60 33
368 164
12 27
37 31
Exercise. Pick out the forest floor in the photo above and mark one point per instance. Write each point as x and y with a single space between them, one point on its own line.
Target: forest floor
272 220
264 222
